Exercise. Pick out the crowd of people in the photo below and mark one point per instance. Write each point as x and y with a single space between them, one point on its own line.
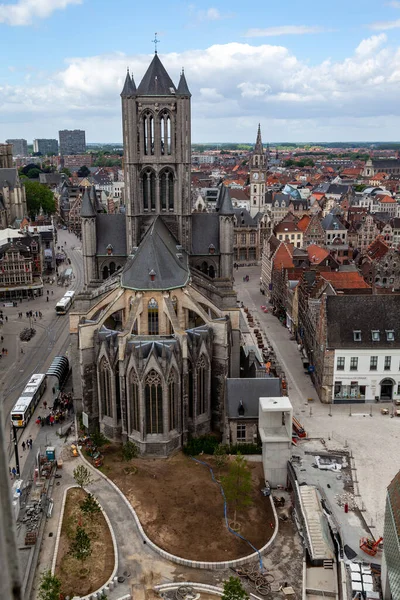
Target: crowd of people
62 406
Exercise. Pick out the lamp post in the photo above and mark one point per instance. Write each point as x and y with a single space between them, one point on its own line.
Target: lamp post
15 440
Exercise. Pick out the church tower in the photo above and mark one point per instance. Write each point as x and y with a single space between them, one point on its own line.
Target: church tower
157 145
258 176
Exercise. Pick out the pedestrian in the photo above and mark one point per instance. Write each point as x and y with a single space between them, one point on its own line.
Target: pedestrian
52 292
14 472
47 298
6 318
23 446
22 350
30 443
2 339
45 405
51 420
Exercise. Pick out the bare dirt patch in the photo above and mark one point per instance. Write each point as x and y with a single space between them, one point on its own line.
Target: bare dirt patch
182 510
79 578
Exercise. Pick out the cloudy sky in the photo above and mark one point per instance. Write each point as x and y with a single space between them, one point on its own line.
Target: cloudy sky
307 70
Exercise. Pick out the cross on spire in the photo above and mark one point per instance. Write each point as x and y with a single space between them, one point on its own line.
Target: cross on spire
155 42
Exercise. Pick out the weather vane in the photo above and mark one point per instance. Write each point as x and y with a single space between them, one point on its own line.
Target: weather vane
155 42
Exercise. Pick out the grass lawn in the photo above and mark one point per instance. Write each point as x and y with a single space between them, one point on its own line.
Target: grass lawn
81 578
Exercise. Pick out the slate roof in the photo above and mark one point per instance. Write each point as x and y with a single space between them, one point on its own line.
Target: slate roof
110 229
223 205
183 89
201 223
8 177
158 252
249 391
244 218
87 209
331 222
385 163
129 88
156 81
281 197
346 314
338 189
50 178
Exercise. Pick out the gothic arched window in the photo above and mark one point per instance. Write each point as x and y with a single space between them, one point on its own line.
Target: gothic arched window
167 190
134 407
152 317
173 400
165 133
149 190
202 391
148 134
105 388
154 403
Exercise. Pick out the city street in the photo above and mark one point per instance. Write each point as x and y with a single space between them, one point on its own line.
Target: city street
373 440
51 339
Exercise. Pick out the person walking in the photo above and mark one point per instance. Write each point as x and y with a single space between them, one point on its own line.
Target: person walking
30 443
23 446
14 472
45 405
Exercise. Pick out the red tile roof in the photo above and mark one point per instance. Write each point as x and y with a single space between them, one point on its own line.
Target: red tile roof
283 256
316 254
345 280
304 222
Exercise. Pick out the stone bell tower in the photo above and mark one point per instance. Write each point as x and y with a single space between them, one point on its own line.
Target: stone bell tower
258 176
157 153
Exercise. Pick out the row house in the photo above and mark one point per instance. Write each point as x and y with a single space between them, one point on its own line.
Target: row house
380 266
20 268
334 229
246 237
363 232
313 232
288 231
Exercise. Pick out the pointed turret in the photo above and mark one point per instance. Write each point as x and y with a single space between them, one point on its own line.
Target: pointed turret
87 209
129 87
258 149
224 203
95 201
156 81
183 89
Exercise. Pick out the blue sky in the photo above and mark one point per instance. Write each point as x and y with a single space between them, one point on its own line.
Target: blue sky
307 70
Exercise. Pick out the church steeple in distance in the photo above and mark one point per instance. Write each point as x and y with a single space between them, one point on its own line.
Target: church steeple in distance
258 148
257 176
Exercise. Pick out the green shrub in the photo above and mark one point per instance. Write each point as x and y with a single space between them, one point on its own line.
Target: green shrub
204 443
244 449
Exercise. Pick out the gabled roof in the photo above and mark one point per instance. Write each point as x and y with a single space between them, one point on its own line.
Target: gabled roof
377 249
87 209
316 254
160 262
156 81
331 222
129 88
342 280
282 258
183 88
304 222
8 177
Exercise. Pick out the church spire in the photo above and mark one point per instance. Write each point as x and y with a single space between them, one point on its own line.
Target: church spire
258 148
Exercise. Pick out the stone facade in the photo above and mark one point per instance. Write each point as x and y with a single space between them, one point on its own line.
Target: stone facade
156 332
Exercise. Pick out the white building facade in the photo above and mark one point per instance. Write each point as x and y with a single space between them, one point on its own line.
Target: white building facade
366 374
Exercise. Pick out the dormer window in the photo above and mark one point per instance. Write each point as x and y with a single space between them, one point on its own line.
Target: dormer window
109 249
376 336
357 335
390 335
241 409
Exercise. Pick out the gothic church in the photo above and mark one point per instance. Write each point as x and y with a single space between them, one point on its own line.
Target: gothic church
155 333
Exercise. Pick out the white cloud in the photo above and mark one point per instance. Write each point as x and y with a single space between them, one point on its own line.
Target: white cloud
393 4
233 87
25 12
208 14
385 25
284 30
370 45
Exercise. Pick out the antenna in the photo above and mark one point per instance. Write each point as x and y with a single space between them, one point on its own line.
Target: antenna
155 42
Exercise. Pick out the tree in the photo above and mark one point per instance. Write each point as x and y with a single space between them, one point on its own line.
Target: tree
90 506
233 590
237 485
82 476
38 195
220 456
49 586
98 438
33 173
66 172
129 451
83 171
81 546
25 170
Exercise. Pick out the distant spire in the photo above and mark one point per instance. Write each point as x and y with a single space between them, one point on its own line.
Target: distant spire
258 149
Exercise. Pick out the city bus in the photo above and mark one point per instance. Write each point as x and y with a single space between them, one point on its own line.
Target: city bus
63 305
28 400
